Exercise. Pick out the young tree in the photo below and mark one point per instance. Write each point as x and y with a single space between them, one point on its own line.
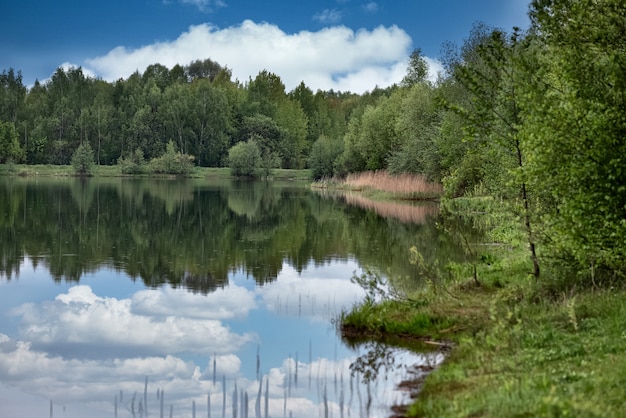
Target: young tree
417 71
210 121
83 160
9 145
489 72
244 159
12 95
323 156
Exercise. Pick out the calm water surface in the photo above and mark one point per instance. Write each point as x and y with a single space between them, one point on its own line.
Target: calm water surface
135 298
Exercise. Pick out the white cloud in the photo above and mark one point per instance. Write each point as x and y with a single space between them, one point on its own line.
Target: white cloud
230 302
89 323
205 5
371 7
335 58
327 16
91 385
319 298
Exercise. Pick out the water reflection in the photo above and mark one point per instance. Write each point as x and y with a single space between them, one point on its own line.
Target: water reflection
217 294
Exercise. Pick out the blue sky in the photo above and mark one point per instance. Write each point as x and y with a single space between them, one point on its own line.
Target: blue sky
341 44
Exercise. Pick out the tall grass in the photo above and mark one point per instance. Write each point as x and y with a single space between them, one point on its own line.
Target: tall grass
410 185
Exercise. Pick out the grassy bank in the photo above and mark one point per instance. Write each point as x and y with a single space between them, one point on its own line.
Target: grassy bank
115 171
518 347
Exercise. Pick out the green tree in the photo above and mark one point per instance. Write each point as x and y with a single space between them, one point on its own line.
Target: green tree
9 144
12 95
292 121
83 159
199 69
378 134
493 116
265 93
176 110
244 159
324 155
211 115
417 125
575 130
417 71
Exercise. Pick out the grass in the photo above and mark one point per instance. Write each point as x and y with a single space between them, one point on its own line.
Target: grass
518 347
114 171
381 185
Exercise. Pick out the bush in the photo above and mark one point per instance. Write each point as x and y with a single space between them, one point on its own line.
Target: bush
134 163
244 159
172 162
83 159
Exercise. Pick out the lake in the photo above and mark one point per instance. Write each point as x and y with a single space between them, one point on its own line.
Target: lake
137 298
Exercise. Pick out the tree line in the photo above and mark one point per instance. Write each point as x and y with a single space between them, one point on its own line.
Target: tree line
534 118
198 108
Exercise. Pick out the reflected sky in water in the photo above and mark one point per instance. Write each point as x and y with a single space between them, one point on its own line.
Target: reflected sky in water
87 346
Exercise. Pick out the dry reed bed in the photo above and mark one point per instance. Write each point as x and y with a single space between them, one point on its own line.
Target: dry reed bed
406 184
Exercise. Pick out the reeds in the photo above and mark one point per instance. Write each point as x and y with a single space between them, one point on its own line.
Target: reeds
412 185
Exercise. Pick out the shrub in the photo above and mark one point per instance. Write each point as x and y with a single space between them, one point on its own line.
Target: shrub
134 163
83 159
172 162
244 159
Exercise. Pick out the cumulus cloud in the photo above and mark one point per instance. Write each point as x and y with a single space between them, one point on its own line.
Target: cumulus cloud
335 58
319 297
230 302
83 323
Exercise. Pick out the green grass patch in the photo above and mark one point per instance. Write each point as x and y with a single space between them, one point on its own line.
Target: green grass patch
115 171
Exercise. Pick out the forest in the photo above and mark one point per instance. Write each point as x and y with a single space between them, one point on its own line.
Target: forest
534 119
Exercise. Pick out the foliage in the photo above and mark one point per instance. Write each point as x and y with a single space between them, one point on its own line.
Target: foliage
514 350
533 118
323 157
134 163
575 132
172 162
244 159
417 124
9 145
417 71
83 159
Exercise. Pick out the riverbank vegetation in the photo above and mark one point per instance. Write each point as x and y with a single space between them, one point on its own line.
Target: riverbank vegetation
534 314
383 185
515 346
50 170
